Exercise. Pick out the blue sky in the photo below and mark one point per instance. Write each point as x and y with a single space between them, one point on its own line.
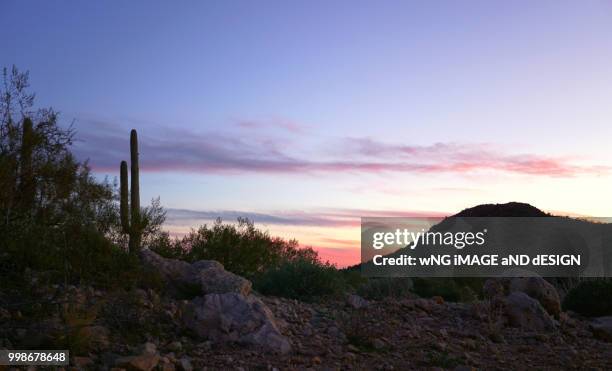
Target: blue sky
327 111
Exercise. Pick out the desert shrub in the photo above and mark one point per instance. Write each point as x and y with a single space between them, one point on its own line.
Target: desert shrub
379 288
590 298
276 266
303 279
78 254
353 277
167 247
241 248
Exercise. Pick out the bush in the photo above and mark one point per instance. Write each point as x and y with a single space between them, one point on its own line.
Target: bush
301 279
80 254
241 248
590 298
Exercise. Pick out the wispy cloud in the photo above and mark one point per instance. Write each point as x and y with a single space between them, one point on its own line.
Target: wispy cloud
180 216
316 218
165 149
287 125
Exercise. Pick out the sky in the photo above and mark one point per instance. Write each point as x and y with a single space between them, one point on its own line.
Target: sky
307 115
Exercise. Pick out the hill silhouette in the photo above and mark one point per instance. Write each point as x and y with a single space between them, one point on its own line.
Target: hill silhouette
510 209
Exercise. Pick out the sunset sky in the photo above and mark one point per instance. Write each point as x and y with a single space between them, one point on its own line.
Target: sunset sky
307 115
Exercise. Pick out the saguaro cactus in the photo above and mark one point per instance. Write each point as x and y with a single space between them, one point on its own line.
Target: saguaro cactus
130 213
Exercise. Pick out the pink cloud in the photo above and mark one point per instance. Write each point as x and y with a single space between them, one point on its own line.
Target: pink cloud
184 151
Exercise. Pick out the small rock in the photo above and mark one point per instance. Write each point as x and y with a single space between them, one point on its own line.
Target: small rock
470 344
441 346
4 314
352 348
423 304
378 344
602 328
171 357
356 301
175 346
144 362
184 364
149 348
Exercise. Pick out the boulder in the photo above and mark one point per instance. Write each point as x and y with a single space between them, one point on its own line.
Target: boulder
232 317
535 287
525 312
178 275
214 279
602 328
203 277
539 289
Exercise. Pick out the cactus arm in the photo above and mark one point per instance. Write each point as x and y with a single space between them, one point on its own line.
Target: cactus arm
135 229
124 205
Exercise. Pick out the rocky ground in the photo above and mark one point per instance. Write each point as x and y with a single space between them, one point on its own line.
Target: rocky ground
229 327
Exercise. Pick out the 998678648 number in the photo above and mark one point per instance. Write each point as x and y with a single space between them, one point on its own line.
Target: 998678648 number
34 357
